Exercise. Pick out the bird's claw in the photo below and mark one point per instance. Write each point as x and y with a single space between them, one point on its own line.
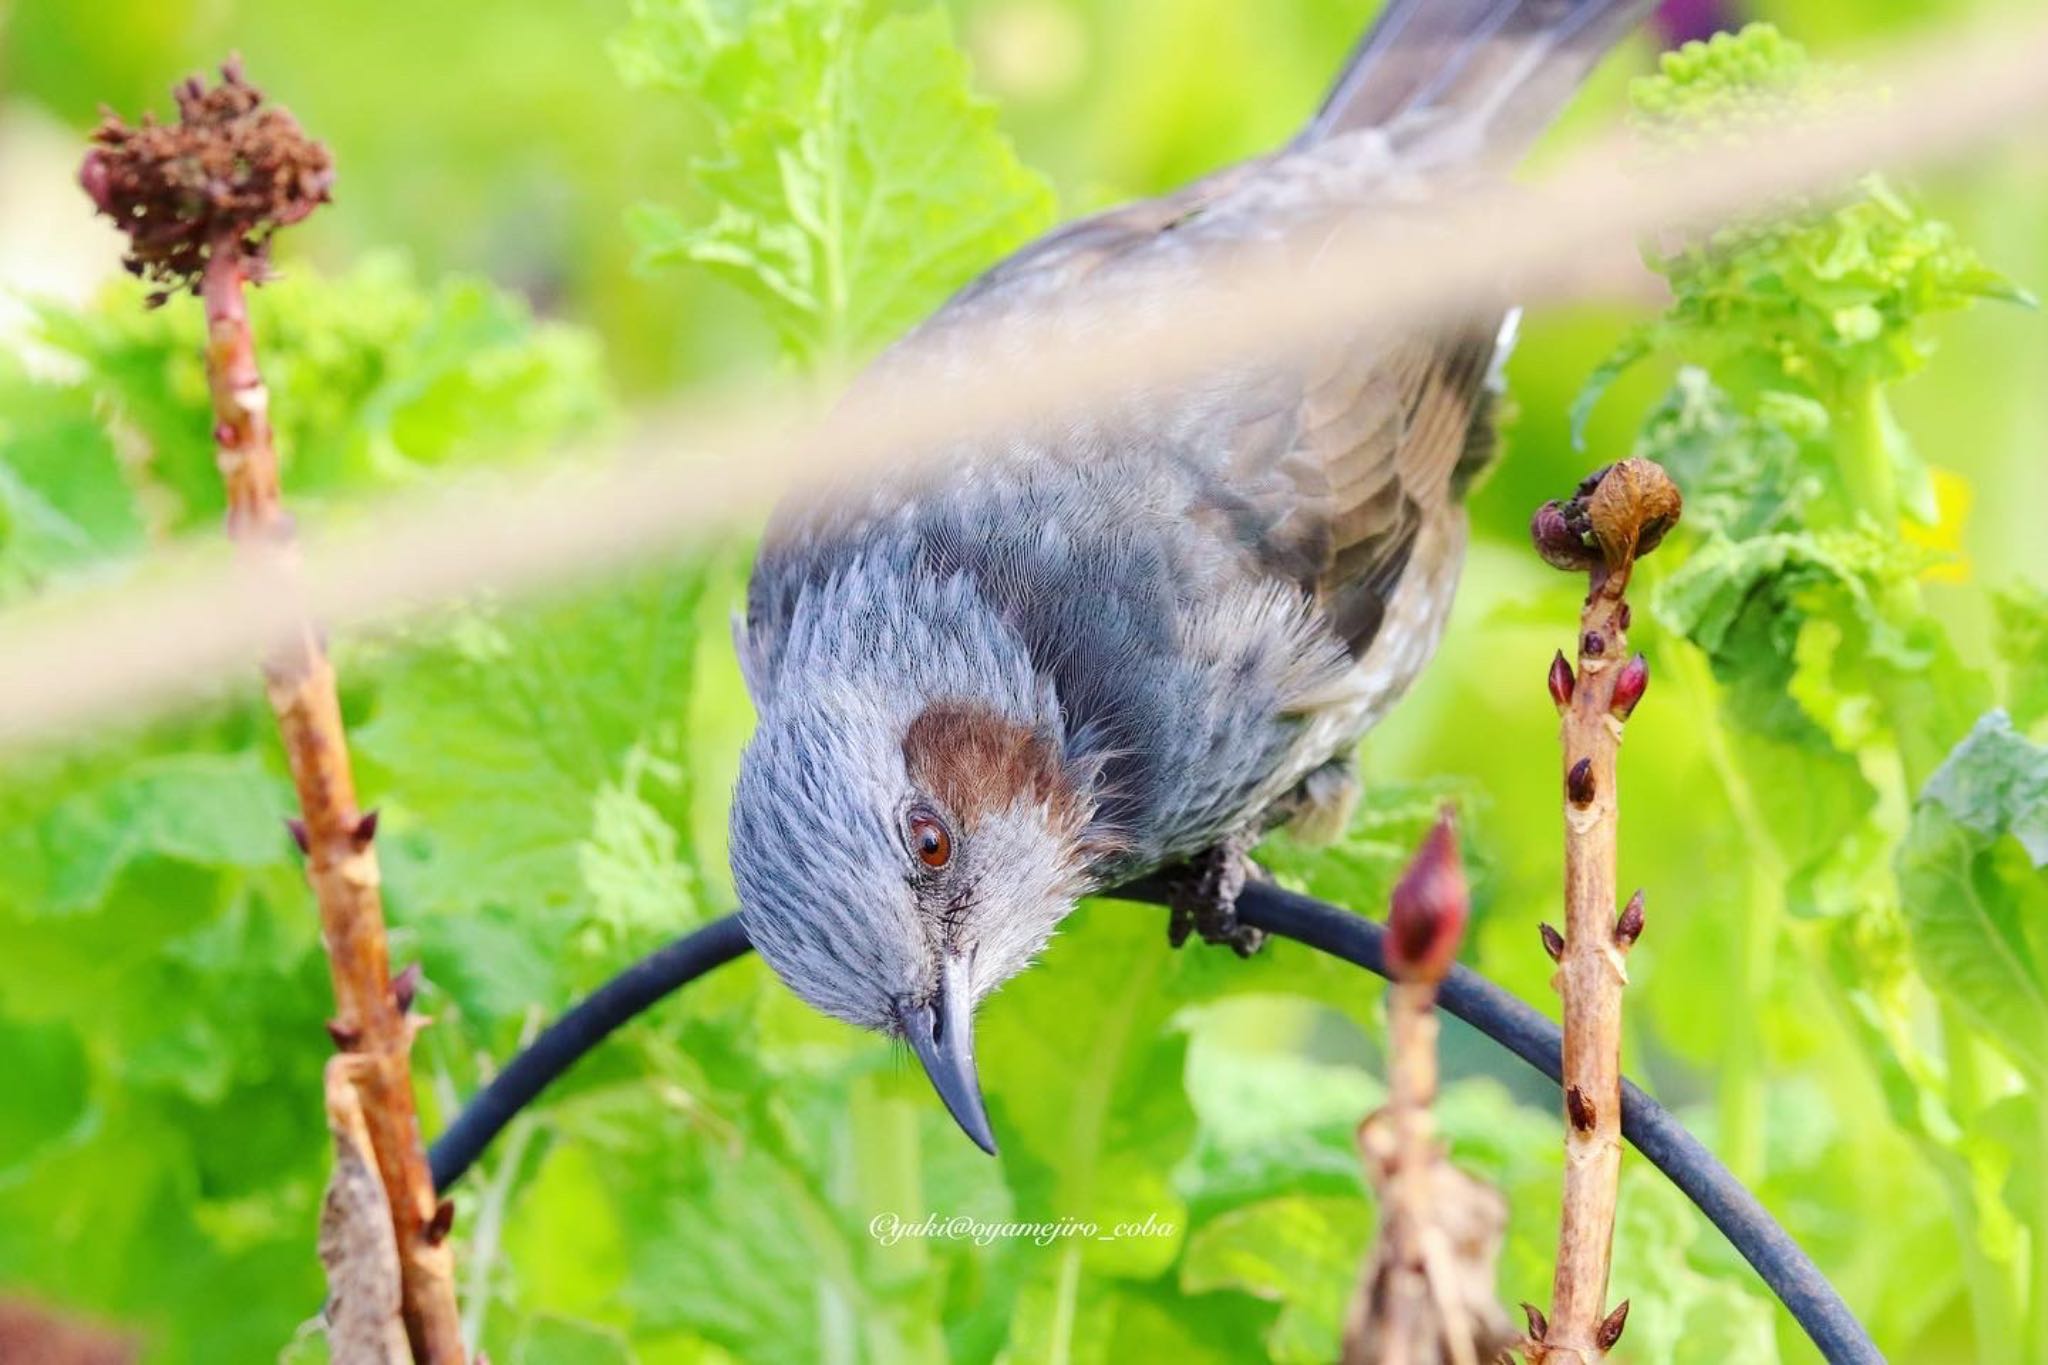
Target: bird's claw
1201 897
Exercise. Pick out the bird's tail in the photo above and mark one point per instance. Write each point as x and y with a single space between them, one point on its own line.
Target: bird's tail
1508 65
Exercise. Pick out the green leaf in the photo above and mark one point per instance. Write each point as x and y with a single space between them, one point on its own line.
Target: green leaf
1741 473
1685 1313
374 379
206 809
2023 645
549 1340
1996 783
47 1077
1829 297
856 180
532 765
65 502
1301 1251
1977 916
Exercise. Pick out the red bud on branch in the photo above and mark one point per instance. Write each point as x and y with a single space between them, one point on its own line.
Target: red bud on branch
1629 686
1610 1327
1578 783
1579 1109
1426 921
1629 927
1561 682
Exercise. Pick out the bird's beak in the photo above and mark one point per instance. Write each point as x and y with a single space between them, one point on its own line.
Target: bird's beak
942 1032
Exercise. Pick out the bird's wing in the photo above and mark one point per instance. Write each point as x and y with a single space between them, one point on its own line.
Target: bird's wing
1323 471
1375 442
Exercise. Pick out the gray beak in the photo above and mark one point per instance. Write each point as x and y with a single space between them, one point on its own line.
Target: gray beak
942 1033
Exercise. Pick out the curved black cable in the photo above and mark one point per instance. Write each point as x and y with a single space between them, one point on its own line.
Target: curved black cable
1747 1225
563 1043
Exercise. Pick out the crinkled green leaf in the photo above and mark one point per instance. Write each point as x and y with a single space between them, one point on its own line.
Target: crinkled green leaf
1741 474
857 180
1976 917
1827 297
1683 1314
531 763
1996 783
374 379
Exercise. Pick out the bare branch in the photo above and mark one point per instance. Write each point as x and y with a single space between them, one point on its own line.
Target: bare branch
200 202
1617 514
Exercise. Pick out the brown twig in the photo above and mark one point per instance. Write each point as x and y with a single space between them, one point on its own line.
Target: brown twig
200 201
1617 515
1426 1296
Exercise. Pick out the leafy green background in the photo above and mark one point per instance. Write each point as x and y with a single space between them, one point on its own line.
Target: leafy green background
549 214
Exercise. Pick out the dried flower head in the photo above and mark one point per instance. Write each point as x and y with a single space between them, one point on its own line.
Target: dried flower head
1618 513
1426 922
226 176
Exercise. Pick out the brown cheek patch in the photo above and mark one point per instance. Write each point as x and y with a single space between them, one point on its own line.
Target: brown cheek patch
975 762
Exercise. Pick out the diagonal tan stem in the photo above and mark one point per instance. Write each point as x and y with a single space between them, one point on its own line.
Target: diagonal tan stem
1616 515
341 862
1591 978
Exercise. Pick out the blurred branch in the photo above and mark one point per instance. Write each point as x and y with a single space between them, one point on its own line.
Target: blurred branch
65 662
1616 515
199 202
1427 1294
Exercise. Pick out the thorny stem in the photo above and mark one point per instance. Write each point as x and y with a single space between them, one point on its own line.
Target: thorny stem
341 861
1616 515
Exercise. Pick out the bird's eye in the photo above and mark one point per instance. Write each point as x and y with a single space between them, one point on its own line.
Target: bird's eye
929 839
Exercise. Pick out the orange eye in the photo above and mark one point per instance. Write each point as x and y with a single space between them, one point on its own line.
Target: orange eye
929 840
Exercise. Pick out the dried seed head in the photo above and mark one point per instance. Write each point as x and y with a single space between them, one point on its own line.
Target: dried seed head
1579 1109
1629 927
1578 783
1629 686
1561 681
1553 942
1631 508
229 173
1610 1327
1426 921
1539 1326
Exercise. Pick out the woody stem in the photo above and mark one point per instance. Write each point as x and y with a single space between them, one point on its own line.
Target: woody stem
1591 976
341 862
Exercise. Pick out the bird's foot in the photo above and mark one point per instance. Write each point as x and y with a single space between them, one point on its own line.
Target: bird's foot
1201 895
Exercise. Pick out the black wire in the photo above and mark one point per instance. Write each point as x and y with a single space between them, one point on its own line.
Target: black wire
1794 1278
564 1042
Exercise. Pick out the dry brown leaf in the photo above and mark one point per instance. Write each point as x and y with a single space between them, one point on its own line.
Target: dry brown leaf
357 1246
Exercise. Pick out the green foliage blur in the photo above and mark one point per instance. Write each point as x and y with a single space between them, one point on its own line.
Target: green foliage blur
1836 792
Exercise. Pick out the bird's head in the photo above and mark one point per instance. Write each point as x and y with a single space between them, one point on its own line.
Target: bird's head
902 848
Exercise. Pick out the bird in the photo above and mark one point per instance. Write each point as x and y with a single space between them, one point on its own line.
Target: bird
1100 647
